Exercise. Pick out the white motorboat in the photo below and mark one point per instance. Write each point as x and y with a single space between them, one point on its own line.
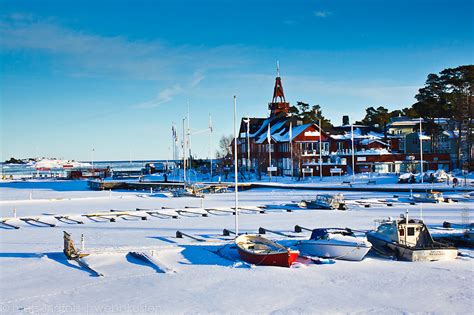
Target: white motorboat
325 201
336 244
409 239
429 197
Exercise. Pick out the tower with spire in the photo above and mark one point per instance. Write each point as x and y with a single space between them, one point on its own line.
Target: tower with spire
279 103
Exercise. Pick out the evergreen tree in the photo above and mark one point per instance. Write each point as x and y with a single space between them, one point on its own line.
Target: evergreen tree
310 114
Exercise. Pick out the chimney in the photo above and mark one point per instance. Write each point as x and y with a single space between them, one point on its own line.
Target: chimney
345 120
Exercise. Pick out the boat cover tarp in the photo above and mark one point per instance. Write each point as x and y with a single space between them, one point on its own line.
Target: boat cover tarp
318 233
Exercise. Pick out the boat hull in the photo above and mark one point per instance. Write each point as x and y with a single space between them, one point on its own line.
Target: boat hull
325 249
258 250
386 247
278 259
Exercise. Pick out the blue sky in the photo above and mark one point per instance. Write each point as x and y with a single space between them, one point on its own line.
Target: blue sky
114 75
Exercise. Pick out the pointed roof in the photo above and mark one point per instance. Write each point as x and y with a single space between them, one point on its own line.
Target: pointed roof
278 92
278 104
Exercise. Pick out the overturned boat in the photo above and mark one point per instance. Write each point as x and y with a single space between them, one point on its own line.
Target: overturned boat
335 243
325 201
409 239
258 250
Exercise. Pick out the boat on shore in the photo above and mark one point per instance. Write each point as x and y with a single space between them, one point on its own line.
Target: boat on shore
461 235
335 243
429 197
258 250
325 201
409 239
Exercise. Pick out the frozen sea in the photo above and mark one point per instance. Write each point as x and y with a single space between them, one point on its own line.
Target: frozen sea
36 278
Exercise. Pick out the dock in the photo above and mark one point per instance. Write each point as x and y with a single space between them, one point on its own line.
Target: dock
160 186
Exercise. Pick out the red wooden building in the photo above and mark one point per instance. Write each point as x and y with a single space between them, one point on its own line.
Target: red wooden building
284 145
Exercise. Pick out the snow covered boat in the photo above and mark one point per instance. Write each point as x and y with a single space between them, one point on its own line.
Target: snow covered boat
325 201
409 239
335 243
407 178
258 250
429 197
461 235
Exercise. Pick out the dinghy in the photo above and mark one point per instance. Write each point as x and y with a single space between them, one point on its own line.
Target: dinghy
336 244
409 239
258 250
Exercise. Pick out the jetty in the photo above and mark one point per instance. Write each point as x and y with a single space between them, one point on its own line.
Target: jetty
163 186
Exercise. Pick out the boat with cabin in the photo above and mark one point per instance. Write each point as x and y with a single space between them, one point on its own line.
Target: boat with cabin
429 197
409 239
258 250
335 243
325 201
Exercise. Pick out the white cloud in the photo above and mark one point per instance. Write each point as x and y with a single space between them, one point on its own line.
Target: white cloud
197 78
163 96
83 54
322 14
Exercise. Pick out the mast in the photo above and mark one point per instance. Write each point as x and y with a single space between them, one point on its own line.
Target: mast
93 150
406 227
235 171
189 143
184 153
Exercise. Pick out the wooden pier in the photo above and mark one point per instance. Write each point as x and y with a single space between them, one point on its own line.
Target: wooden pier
162 186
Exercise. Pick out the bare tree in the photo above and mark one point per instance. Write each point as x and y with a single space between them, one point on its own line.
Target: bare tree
225 147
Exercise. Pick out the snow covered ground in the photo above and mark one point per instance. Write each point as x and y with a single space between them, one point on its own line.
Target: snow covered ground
37 278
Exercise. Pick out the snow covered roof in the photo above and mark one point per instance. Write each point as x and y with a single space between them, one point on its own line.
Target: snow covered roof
451 134
358 134
279 128
369 141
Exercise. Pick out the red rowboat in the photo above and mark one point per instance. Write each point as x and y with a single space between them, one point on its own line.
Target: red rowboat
258 250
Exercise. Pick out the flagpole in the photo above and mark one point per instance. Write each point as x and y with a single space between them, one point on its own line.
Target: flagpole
210 146
291 147
421 153
235 171
269 139
353 158
248 144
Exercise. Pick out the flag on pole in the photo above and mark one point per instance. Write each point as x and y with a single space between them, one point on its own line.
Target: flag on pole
269 137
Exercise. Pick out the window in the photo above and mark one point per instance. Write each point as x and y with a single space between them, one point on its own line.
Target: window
326 146
411 231
401 232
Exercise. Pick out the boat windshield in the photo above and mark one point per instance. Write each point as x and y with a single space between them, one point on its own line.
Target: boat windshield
386 229
318 234
323 198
